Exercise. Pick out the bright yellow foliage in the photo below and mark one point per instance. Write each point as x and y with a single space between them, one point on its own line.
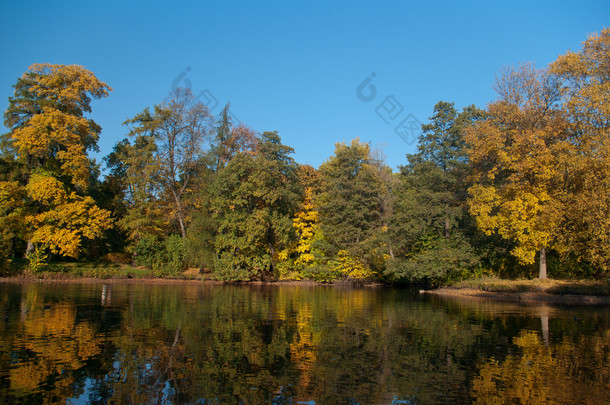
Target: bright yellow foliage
51 131
515 155
49 123
67 218
51 136
351 267
585 80
305 224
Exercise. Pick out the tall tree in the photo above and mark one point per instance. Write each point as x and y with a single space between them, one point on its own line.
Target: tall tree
430 224
515 154
229 140
351 215
134 167
585 90
254 200
50 137
46 116
179 128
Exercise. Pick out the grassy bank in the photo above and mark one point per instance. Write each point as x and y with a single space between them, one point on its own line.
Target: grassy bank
101 270
549 286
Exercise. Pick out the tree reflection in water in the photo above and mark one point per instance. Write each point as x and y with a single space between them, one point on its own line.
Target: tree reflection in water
146 343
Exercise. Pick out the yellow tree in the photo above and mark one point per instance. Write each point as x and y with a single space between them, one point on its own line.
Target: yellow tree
515 154
305 222
67 218
585 87
50 135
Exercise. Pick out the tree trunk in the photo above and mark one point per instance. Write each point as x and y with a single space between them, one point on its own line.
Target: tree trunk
542 274
179 214
182 228
29 249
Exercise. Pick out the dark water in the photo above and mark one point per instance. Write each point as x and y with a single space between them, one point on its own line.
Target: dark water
150 343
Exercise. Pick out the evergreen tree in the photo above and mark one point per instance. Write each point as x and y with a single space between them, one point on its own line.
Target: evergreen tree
352 211
430 224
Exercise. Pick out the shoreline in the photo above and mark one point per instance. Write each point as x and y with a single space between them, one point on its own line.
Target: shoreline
520 297
528 297
95 280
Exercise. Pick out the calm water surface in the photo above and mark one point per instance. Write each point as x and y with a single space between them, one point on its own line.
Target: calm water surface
190 343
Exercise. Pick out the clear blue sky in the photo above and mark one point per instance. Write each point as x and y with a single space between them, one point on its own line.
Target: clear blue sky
291 66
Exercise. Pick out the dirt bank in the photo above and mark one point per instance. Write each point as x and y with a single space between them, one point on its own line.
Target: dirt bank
523 297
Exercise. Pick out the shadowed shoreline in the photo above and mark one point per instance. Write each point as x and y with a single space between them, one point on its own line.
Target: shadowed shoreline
521 297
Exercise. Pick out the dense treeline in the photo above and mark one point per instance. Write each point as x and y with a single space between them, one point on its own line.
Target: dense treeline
500 190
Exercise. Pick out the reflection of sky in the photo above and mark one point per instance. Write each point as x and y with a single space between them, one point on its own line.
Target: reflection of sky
88 395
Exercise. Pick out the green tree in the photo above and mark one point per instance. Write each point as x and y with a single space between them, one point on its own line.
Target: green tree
134 170
351 210
254 199
430 225
12 226
179 128
227 142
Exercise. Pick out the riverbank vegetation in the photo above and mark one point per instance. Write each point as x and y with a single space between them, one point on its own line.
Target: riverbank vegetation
508 190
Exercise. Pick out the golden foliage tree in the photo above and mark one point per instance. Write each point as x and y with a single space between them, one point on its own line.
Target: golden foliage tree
515 155
50 135
47 119
66 219
585 88
305 222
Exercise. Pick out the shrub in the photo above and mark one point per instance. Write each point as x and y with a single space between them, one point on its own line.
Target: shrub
165 257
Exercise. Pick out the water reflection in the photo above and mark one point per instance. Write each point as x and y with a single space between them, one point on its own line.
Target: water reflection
139 343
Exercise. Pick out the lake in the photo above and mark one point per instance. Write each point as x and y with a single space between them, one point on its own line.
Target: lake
257 344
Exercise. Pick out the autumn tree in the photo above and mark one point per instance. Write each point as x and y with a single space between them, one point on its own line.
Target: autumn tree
584 78
50 137
46 116
515 157
229 140
296 259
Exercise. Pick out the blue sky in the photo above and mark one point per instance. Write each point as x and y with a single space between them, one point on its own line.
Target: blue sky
295 67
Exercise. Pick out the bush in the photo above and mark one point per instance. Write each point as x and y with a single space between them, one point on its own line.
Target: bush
37 260
173 254
165 258
321 273
235 267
